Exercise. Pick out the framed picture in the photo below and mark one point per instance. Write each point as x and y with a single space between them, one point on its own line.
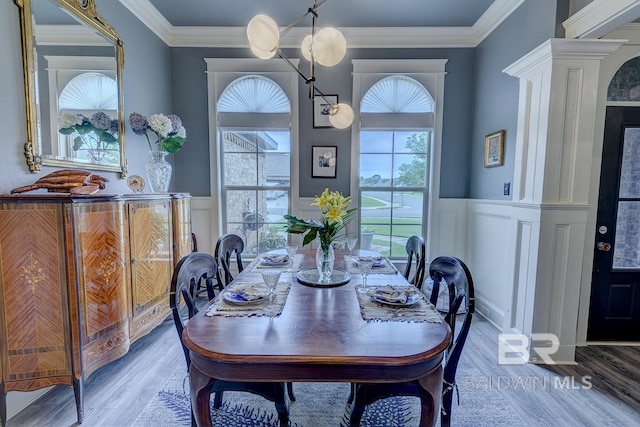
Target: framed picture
494 149
321 110
323 161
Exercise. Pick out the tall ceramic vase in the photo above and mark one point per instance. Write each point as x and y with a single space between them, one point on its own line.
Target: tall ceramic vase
158 172
325 258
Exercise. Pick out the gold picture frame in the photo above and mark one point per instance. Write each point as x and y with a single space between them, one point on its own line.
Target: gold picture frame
494 149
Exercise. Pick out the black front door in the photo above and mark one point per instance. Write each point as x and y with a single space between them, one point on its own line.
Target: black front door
614 313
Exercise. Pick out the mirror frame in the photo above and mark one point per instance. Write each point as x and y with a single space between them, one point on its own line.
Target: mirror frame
85 12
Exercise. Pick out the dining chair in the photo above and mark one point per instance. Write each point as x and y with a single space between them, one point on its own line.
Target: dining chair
226 246
188 272
415 252
457 277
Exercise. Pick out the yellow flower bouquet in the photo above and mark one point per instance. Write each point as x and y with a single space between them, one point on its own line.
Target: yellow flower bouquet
335 215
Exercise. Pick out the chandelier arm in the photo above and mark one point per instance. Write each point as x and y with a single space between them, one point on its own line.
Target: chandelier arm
306 79
323 96
310 11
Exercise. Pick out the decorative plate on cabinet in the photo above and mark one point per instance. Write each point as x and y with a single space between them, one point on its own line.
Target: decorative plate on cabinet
135 183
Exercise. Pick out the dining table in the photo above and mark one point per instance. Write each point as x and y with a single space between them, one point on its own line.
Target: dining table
317 332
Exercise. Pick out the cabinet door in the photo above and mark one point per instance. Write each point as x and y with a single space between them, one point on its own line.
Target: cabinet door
99 239
151 246
34 302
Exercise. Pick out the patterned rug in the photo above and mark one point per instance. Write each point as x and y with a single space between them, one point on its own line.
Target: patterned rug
324 405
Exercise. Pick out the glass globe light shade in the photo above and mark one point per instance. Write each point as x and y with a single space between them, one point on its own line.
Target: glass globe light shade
263 33
262 54
329 47
341 116
305 47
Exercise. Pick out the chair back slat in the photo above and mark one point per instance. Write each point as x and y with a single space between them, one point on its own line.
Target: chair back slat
226 246
415 253
187 274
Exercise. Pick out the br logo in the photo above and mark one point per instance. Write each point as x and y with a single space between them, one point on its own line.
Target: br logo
515 349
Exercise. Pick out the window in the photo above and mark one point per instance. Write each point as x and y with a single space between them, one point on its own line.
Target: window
394 147
86 94
255 161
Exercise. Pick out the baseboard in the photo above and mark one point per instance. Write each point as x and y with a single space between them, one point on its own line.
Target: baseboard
490 311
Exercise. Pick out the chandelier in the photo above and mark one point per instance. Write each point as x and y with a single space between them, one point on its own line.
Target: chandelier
325 46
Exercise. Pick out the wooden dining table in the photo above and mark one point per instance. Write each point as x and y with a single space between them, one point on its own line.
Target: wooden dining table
320 336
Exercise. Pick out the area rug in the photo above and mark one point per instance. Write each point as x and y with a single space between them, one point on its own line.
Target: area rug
324 405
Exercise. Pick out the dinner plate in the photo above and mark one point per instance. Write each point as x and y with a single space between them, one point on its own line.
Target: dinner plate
377 261
275 260
411 300
234 297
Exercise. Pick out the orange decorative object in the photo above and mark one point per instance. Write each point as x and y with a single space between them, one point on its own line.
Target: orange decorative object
65 181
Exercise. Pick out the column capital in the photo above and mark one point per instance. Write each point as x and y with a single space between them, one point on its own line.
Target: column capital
583 49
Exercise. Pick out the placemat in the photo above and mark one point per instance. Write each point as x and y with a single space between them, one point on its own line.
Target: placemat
385 268
295 266
422 311
219 307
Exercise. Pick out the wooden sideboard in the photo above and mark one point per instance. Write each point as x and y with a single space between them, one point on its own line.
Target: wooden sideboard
81 278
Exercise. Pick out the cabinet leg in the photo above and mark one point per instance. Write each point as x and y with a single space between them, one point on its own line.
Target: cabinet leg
78 390
3 406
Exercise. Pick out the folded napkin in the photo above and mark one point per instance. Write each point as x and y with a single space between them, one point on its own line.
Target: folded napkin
378 261
275 259
252 292
394 295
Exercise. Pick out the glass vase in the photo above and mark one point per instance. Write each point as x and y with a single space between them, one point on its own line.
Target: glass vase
158 172
325 258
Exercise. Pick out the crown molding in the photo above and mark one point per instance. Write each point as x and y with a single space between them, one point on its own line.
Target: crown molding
68 35
358 37
493 16
150 17
600 17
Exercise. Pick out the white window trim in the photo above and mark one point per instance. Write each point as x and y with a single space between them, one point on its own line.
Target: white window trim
220 72
428 72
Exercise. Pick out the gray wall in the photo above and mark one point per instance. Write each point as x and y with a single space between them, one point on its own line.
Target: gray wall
190 102
495 97
147 87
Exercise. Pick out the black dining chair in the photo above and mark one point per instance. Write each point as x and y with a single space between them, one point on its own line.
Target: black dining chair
231 246
455 274
228 246
187 274
415 256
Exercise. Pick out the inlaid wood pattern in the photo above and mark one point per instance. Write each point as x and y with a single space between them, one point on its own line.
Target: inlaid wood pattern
33 292
100 239
151 252
81 278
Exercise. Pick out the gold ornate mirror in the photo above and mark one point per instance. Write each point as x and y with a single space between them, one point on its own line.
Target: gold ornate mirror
73 61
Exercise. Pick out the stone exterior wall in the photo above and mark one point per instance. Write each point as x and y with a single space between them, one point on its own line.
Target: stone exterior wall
240 204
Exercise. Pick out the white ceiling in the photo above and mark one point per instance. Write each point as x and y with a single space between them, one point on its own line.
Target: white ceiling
337 13
365 23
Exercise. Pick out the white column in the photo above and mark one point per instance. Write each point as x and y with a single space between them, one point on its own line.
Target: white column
556 114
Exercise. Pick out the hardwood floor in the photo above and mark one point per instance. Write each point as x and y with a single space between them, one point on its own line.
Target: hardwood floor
602 390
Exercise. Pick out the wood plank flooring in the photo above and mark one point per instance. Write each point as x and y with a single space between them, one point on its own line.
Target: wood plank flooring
601 390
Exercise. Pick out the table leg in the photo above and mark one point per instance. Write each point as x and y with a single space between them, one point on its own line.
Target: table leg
200 385
428 389
433 385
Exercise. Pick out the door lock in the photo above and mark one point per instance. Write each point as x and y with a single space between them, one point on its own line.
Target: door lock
603 246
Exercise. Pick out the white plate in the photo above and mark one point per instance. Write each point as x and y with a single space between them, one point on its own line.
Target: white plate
234 297
377 261
275 260
411 300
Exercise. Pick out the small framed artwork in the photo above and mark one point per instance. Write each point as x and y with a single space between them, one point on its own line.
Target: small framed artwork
494 149
323 161
321 108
